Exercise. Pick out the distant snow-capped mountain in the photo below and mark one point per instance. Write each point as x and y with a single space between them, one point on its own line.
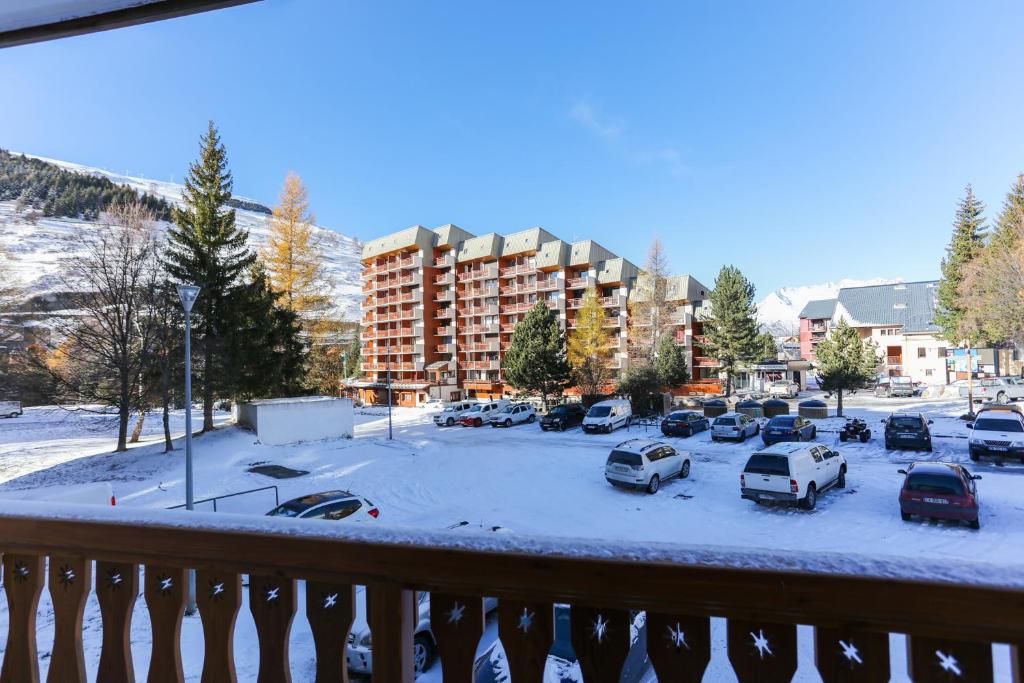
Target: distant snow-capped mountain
779 312
38 245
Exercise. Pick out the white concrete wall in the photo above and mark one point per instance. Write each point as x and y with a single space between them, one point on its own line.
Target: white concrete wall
290 420
931 369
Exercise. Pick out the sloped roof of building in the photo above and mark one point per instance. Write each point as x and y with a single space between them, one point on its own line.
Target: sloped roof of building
819 309
907 304
484 246
451 235
417 235
529 240
552 254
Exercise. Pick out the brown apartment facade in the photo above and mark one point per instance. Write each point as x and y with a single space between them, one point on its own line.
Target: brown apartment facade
441 304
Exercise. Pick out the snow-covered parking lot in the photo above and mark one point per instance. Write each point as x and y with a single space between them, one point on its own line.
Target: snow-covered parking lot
536 484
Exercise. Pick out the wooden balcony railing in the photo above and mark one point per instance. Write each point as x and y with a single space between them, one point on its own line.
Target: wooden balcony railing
852 604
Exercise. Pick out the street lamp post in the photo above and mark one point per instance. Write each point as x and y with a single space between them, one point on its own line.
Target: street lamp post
390 436
188 295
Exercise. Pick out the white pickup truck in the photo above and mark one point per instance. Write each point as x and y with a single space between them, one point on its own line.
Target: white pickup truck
1000 389
10 408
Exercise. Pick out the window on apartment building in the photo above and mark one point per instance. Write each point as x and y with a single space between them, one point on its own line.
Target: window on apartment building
552 296
922 352
928 372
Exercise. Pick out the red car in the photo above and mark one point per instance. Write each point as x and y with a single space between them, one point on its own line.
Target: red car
940 490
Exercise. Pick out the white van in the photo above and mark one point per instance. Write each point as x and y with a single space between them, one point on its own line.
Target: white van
452 412
481 413
607 416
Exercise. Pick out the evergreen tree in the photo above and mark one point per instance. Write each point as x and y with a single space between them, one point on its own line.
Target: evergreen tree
535 360
670 363
730 329
640 384
589 350
845 361
207 249
767 348
964 246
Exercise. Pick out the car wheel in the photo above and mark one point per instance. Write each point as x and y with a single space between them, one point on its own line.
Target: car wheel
864 436
842 436
422 654
841 480
905 516
685 471
561 427
532 419
810 500
757 429
814 432
508 422
478 422
654 485
449 422
974 524
975 457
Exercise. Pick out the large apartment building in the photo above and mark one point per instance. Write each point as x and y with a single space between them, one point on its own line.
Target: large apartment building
441 305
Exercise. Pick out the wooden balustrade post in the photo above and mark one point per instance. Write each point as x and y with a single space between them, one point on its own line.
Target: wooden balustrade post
273 605
600 639
165 591
70 579
851 655
218 597
527 631
23 583
937 660
330 609
457 622
117 588
762 652
391 612
679 646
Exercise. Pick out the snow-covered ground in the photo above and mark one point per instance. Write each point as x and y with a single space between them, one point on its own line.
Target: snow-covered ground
535 485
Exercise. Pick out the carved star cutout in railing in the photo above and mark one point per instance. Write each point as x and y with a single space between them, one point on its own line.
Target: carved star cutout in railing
525 620
761 644
455 613
948 663
851 653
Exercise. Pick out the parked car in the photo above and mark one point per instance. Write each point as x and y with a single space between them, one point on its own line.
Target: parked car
940 490
734 426
561 667
999 389
895 387
784 388
644 464
514 414
788 428
907 430
332 505
481 413
564 416
792 473
359 652
684 423
997 432
452 413
607 416
433 403
10 408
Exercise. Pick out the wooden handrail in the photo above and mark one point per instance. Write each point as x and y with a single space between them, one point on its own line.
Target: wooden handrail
972 602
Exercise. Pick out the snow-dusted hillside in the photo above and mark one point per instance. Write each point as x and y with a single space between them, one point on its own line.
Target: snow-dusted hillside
38 246
778 312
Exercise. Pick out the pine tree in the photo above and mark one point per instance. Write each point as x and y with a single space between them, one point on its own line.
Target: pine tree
767 348
650 312
535 360
640 383
293 255
589 350
207 249
670 363
964 246
730 329
845 361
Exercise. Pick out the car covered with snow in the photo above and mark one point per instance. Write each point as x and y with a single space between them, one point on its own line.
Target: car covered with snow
940 490
331 505
998 433
645 464
998 389
452 413
784 388
907 431
734 427
793 473
514 414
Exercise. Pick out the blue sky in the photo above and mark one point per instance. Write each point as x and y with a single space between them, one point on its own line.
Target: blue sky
800 141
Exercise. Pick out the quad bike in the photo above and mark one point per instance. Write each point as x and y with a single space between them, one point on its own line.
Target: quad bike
855 429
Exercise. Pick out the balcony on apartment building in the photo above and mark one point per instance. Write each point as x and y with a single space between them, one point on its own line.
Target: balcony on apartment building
481 365
393 264
381 285
613 301
518 269
585 282
524 306
395 332
479 273
519 288
383 367
382 350
478 310
894 362
478 292
445 295
490 345
445 313
705 362
489 328
445 261
444 331
445 278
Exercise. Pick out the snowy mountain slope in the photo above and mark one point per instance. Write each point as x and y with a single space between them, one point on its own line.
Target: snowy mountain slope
38 245
778 312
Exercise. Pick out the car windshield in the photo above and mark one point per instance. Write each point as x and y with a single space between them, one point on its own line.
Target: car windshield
725 421
901 380
904 422
623 458
780 383
476 408
781 422
559 410
678 416
452 409
599 411
990 424
292 508
766 463
928 482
